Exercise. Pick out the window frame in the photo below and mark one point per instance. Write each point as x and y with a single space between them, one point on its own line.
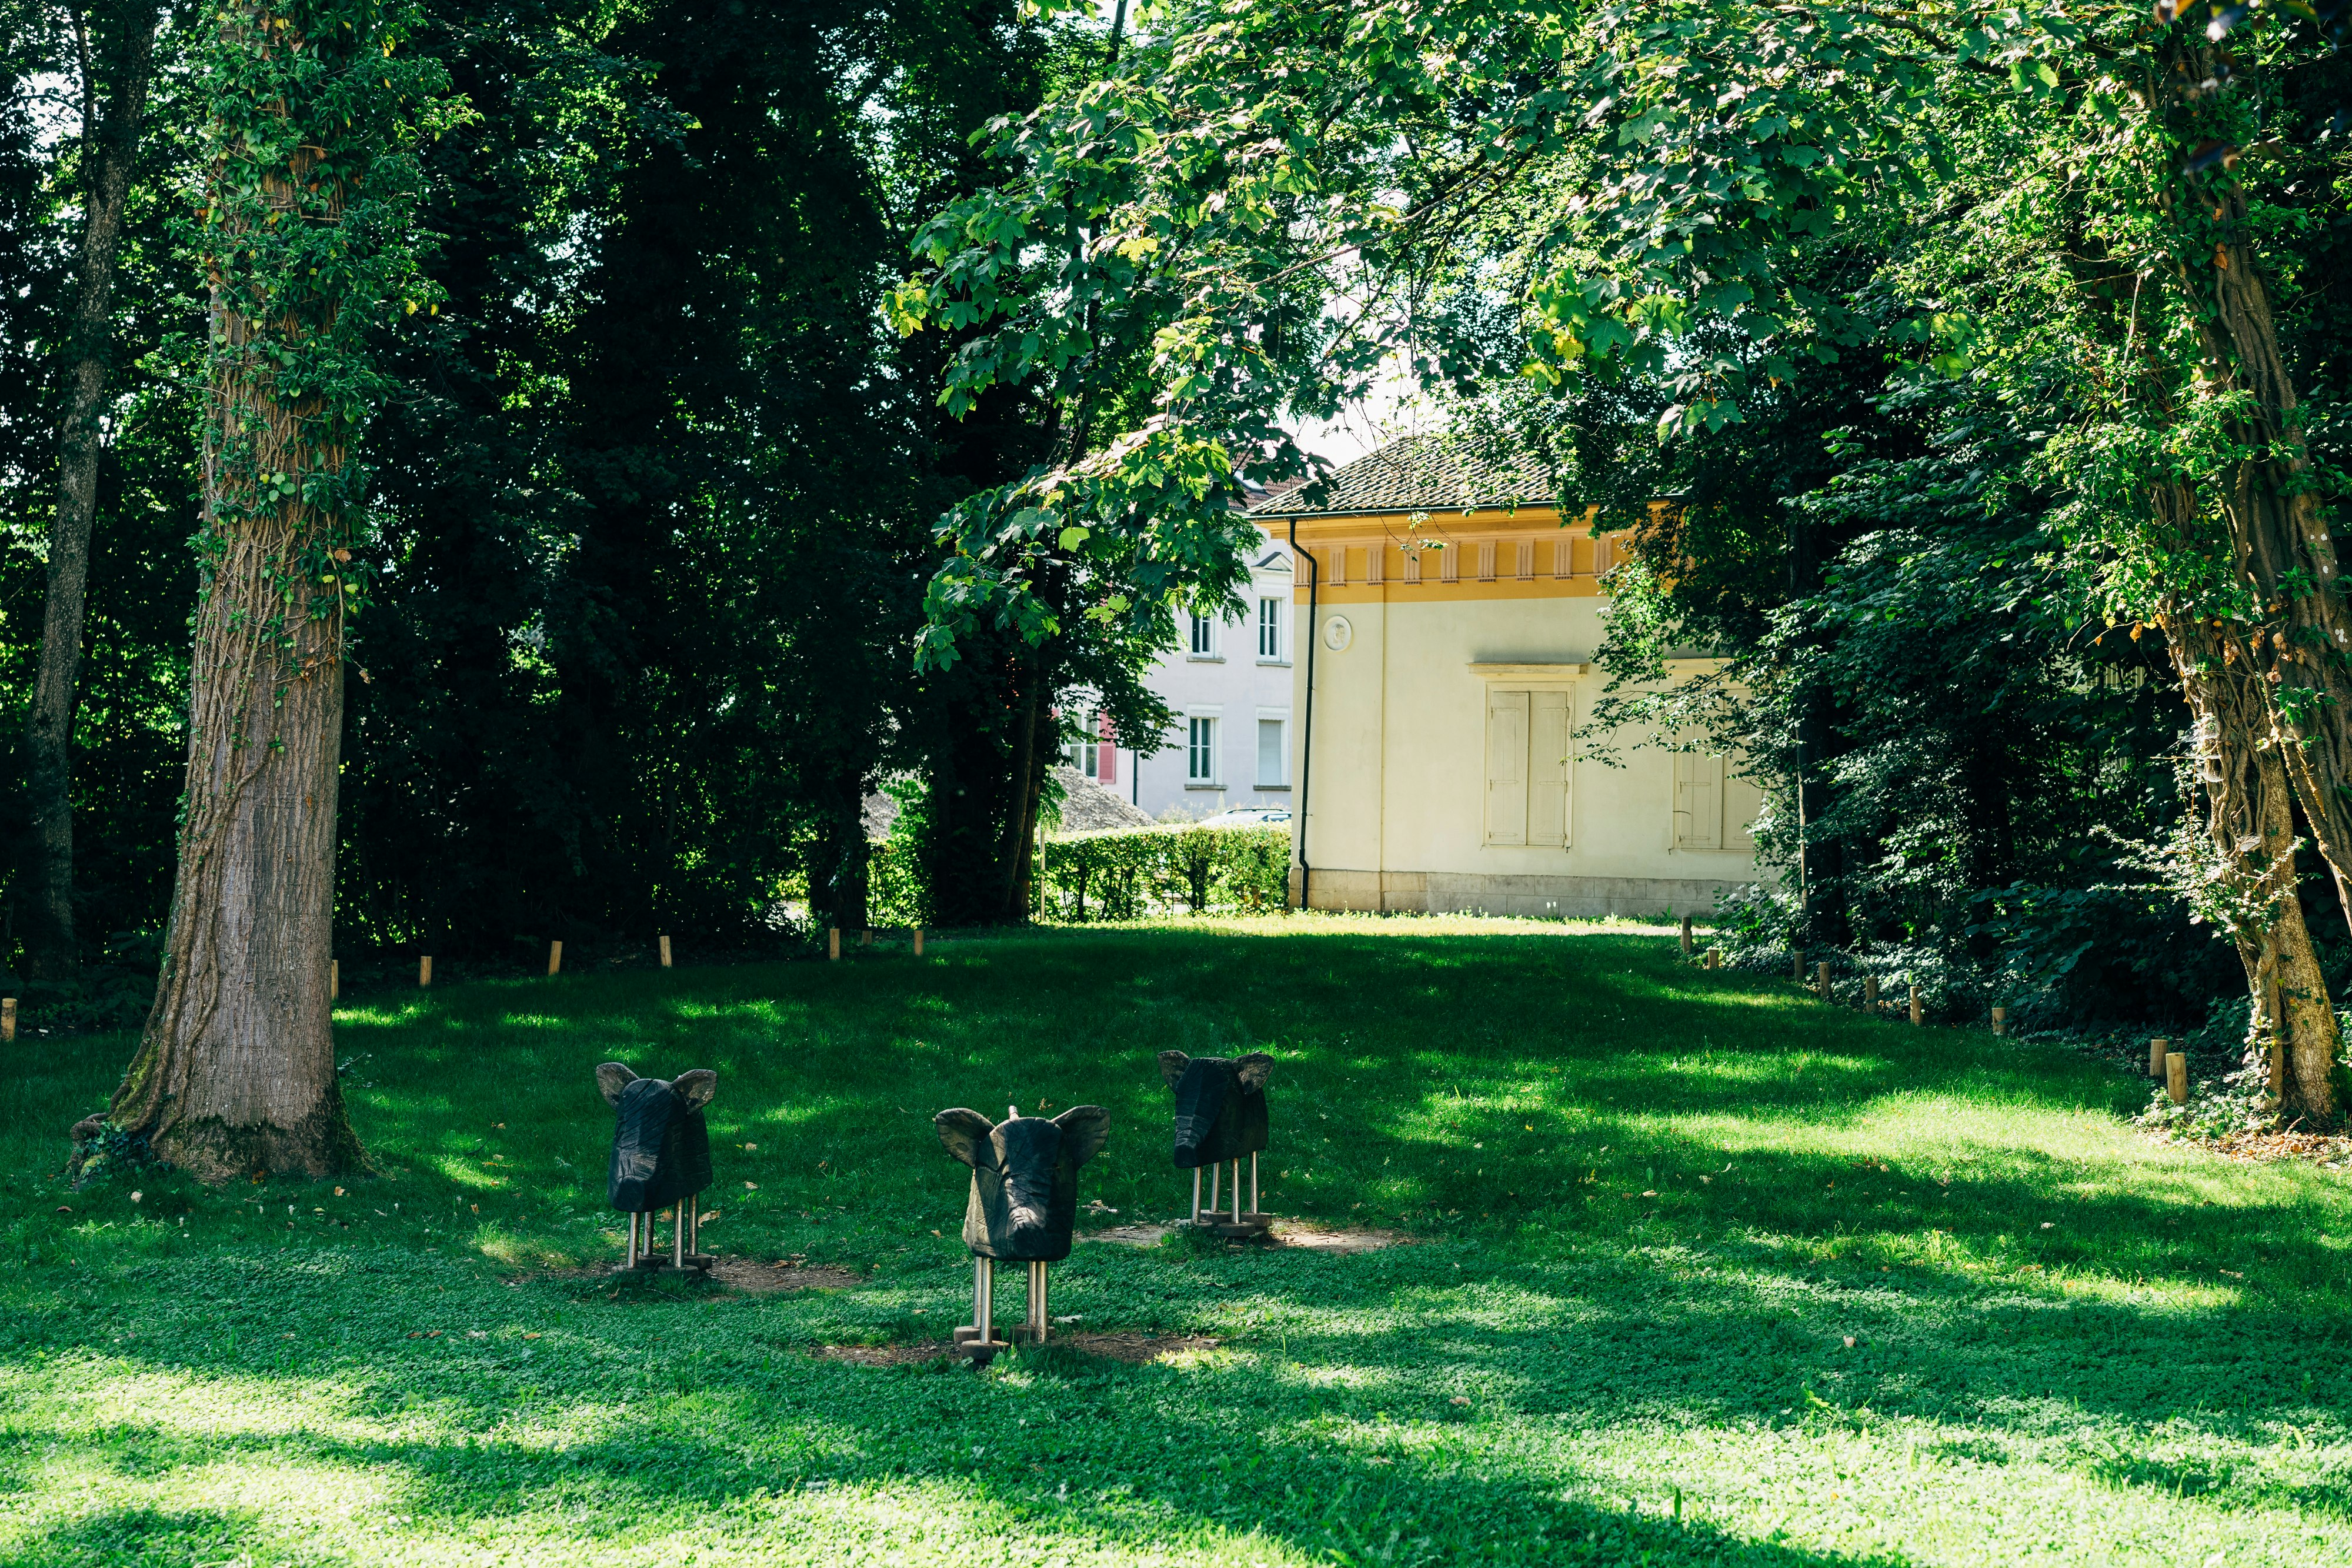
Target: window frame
1281 723
1204 643
1271 626
1200 747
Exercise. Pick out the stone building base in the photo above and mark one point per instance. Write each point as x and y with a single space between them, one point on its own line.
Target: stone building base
1473 893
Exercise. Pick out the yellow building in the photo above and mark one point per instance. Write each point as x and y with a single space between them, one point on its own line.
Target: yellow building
1446 628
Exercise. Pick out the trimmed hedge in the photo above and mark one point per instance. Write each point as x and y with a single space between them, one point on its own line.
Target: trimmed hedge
1119 874
1128 873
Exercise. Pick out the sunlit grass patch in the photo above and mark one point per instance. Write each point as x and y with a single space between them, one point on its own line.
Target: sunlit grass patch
1703 1269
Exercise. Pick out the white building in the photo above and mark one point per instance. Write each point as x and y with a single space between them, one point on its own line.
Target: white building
1454 622
1230 684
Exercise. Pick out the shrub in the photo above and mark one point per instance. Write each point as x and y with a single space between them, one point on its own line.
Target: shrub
1128 873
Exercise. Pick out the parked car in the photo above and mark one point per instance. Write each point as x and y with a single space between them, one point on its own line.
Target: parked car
1249 816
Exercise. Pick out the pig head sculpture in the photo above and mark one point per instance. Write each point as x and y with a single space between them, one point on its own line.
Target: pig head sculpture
1023 1208
661 1151
1025 1178
1220 1116
1220 1105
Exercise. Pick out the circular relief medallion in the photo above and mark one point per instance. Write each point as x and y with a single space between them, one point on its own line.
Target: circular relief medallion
1338 633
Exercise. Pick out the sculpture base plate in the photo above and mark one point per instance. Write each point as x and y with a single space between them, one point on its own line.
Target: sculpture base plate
1252 1226
700 1262
968 1343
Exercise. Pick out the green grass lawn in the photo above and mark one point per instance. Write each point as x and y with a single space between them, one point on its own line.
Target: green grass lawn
1701 1271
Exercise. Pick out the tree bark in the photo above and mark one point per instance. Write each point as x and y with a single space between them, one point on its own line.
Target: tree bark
1020 817
236 1072
109 149
2251 820
2302 634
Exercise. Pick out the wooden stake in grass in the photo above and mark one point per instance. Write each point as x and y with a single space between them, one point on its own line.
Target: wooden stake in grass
1797 974
2001 1020
424 969
1821 982
2176 1078
1714 958
1870 992
555 958
832 942
665 951
1686 936
334 980
2156 1054
7 1017
866 936
1916 1016
918 942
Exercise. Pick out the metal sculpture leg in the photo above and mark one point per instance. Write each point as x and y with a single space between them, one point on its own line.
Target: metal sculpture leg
1237 1189
1196 1194
631 1262
677 1234
1254 1208
1038 1318
1215 1174
981 1333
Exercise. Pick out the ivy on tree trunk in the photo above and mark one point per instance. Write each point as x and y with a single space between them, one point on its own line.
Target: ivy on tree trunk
305 233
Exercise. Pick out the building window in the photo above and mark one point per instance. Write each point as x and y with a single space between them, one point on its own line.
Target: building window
1083 752
1269 629
1204 637
1528 770
1200 756
1271 757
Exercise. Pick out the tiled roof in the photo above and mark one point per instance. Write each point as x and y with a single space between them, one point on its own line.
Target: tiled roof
1420 473
1088 807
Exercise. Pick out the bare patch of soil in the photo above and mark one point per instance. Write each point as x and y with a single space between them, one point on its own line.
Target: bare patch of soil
1302 1234
774 1279
1327 1238
746 1275
1133 1349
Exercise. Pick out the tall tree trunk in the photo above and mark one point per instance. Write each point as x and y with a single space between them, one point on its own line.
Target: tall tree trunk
1021 813
124 49
236 1069
2302 637
1820 856
2251 819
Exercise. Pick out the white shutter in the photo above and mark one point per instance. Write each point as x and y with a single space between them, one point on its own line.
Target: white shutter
1743 802
1698 801
1548 767
1507 767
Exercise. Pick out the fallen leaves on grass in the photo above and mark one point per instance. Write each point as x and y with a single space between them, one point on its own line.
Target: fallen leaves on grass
2256 1144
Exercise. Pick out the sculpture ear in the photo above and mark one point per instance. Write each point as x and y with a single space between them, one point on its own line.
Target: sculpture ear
612 1078
694 1088
1253 1071
965 1133
1084 1129
1172 1067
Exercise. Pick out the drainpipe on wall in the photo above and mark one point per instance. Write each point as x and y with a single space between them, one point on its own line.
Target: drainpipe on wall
1307 728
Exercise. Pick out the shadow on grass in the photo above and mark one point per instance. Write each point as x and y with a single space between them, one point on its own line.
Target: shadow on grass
1116 1470
1565 1096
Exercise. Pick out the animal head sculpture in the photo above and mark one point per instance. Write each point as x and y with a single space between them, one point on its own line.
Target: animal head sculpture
661 1151
1025 1178
1220 1105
